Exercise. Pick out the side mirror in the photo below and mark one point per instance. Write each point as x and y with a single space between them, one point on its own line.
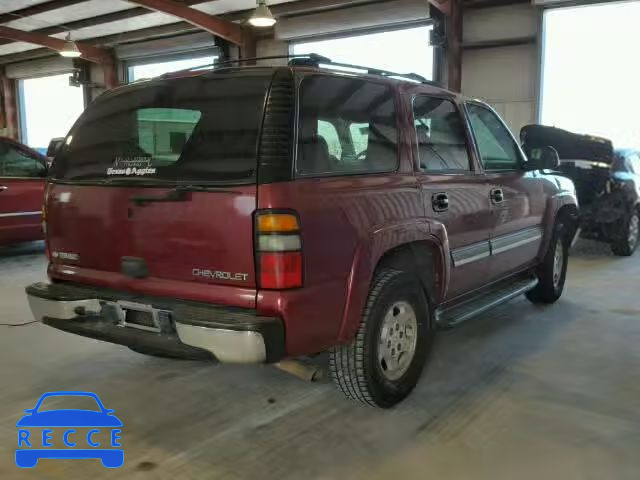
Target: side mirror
54 146
543 158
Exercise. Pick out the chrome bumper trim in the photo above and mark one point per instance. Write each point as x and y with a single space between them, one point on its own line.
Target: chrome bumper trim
58 309
228 346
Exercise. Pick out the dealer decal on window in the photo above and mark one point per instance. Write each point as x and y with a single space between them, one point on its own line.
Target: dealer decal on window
128 166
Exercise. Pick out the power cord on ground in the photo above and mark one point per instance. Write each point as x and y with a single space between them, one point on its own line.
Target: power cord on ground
18 324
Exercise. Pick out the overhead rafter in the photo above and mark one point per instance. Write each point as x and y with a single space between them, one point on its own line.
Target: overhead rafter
117 16
36 9
210 23
88 52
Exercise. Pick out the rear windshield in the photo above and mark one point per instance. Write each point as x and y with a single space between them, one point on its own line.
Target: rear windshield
191 129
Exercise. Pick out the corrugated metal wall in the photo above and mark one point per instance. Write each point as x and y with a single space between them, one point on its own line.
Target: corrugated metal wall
500 62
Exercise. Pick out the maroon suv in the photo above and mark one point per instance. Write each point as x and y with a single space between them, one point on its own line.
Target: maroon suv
249 214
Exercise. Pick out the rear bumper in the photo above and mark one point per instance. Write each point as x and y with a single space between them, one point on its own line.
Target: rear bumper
182 329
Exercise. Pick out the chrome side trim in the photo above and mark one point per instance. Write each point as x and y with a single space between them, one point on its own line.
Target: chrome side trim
471 253
19 214
510 241
478 251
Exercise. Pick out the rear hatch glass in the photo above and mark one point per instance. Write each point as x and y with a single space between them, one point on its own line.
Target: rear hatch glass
202 129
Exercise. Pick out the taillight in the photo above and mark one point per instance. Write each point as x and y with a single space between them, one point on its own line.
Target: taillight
278 250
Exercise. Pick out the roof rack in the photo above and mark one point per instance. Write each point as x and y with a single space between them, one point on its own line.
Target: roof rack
317 61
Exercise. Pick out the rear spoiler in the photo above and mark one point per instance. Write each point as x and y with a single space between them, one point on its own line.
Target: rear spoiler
570 146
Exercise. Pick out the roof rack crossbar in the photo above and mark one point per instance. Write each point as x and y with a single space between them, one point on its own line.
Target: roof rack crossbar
311 60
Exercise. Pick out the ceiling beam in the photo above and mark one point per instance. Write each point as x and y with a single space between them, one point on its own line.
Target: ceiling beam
88 52
36 9
93 21
210 23
468 4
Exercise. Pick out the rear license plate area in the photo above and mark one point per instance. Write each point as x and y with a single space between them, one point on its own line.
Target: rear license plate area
144 317
138 318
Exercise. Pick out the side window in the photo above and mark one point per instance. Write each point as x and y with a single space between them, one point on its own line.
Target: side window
498 149
328 131
440 135
346 126
15 163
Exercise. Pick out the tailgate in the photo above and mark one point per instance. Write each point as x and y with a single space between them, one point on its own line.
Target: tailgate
206 237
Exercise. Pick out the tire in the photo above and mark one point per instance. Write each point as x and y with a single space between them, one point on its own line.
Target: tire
628 236
395 298
552 272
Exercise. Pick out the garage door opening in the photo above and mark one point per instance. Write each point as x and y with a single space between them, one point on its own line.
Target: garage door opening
402 51
590 80
150 70
48 108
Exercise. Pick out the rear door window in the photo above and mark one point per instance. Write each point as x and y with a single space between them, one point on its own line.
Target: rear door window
195 129
441 139
363 116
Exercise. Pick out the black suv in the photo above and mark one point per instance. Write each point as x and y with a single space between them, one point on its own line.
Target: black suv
607 182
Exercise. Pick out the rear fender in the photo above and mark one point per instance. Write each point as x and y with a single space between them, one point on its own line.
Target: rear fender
371 250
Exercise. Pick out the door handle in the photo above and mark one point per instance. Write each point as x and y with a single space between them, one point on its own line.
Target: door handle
440 202
3 188
497 196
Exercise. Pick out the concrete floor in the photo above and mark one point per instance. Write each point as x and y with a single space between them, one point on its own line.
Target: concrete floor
524 392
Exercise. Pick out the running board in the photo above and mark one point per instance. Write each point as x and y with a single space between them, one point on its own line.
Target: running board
456 314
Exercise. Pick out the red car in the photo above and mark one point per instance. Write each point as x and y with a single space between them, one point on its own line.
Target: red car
254 213
23 174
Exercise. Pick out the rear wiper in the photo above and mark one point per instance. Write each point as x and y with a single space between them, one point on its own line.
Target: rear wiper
203 188
177 194
173 195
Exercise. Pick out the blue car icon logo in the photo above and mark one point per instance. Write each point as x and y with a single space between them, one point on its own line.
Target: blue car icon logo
39 428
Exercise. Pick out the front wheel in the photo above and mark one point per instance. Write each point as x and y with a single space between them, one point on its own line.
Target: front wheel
382 365
552 272
627 240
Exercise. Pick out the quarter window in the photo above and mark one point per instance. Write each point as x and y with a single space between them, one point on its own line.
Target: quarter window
346 126
440 135
498 149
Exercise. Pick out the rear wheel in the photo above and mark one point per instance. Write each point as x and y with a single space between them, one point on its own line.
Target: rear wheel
629 234
552 272
382 365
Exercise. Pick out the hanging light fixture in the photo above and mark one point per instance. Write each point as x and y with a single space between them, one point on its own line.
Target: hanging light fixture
262 16
70 49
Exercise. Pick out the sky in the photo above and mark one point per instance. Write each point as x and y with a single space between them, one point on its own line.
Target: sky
591 79
402 51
